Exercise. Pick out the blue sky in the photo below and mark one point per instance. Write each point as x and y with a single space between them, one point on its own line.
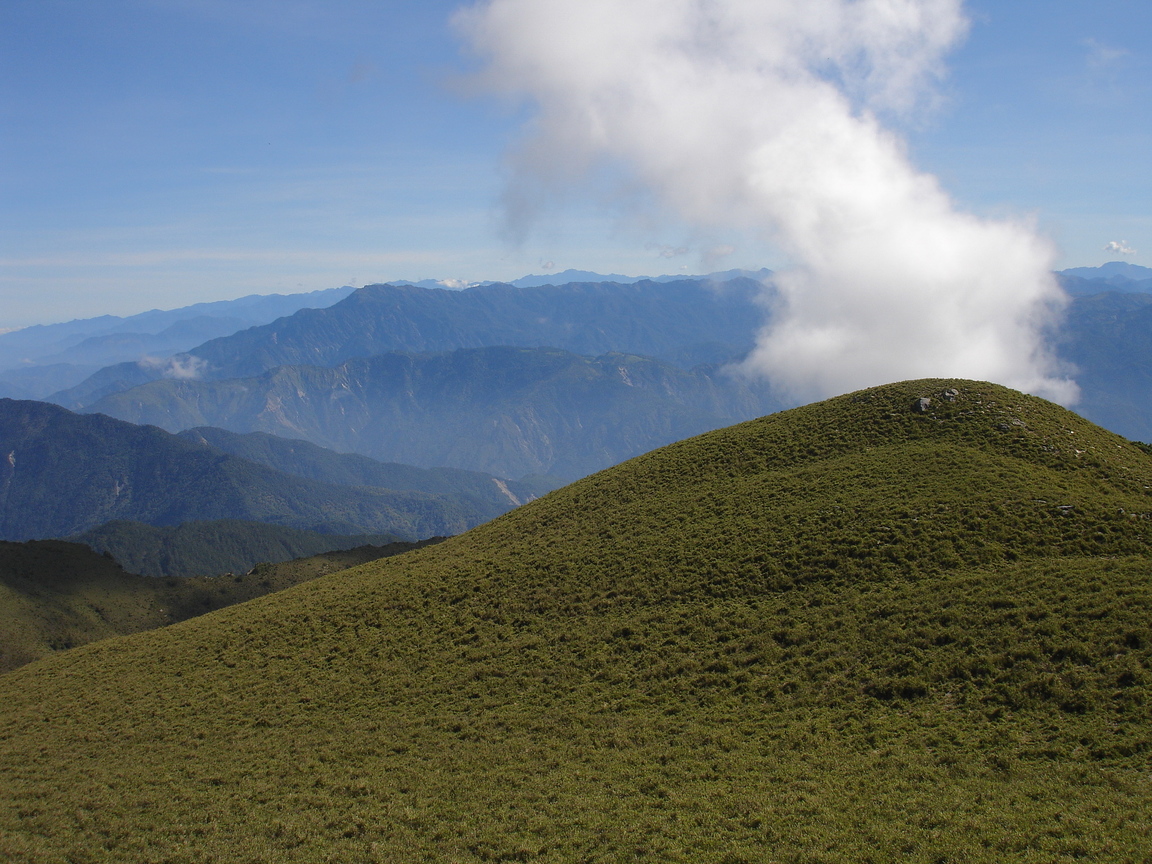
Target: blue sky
155 153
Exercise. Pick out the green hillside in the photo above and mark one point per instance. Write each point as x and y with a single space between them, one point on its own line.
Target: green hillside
56 595
871 629
214 547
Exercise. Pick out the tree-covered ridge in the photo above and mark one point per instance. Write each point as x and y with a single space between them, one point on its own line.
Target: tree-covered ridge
910 623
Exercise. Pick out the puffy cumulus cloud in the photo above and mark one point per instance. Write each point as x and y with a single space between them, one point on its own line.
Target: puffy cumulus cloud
762 116
1120 247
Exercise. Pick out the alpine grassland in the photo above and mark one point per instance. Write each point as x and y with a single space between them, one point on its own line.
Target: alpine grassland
912 623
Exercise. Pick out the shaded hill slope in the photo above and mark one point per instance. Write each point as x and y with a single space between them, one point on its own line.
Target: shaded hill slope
215 547
505 411
869 629
56 595
63 473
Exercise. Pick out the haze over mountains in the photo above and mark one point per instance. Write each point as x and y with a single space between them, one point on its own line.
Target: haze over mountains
39 360
505 411
1113 276
554 382
686 323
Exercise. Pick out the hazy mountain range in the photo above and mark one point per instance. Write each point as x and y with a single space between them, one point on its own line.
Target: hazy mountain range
1114 276
512 382
39 360
62 474
506 411
685 323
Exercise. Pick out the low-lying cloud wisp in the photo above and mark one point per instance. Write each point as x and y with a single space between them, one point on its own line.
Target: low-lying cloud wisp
763 116
182 367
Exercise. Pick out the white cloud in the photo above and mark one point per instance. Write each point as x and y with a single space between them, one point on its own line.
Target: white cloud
187 367
760 116
1101 55
1119 247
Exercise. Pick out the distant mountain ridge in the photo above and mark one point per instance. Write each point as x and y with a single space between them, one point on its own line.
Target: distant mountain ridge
1111 270
39 360
62 474
668 321
565 277
1113 276
488 495
504 411
685 322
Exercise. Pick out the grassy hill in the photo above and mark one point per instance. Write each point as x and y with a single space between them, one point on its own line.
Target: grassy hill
56 595
875 628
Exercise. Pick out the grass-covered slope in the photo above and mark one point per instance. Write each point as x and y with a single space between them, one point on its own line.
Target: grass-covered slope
56 595
856 631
